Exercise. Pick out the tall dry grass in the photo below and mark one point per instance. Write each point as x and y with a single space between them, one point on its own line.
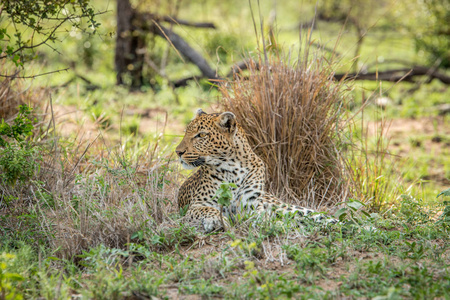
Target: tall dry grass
15 92
291 113
109 200
374 174
86 192
75 203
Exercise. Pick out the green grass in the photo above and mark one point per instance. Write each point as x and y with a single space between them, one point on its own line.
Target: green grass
406 258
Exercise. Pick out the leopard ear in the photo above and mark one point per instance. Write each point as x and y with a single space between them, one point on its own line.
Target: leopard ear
227 122
199 112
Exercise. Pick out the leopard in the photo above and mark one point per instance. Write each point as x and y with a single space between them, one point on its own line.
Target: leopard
217 146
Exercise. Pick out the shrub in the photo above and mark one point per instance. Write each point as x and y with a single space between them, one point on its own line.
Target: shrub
7 289
18 158
291 114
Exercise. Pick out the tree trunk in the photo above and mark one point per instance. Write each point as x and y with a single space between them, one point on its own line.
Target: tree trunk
129 56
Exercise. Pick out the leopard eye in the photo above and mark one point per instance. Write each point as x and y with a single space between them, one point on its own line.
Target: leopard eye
201 135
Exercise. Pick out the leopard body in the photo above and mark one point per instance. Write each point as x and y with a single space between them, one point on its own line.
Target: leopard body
217 145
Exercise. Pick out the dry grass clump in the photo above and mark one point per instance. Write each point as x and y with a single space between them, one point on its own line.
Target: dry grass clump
86 193
107 201
107 205
291 116
15 92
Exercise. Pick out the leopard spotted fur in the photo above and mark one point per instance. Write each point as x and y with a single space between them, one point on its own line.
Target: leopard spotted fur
217 145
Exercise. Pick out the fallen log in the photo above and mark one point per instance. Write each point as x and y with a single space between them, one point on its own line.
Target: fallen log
185 49
172 20
404 74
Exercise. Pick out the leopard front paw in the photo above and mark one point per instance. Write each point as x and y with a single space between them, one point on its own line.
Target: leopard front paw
214 224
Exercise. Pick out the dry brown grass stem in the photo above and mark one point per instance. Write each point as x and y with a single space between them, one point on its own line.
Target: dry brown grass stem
86 192
15 92
109 201
291 116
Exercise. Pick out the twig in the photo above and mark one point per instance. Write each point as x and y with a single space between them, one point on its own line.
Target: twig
34 76
50 35
236 68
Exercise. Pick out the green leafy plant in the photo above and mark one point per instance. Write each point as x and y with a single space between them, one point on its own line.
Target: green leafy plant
445 217
433 36
354 211
7 290
18 158
444 193
224 196
21 128
17 163
414 251
413 210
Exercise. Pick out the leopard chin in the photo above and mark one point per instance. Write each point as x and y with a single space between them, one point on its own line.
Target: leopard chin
186 166
196 163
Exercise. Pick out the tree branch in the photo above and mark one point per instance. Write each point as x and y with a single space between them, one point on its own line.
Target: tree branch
241 66
48 36
33 76
236 68
405 74
184 81
184 48
173 20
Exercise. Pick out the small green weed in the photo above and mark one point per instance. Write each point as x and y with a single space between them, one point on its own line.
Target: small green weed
246 248
18 158
21 128
311 259
413 210
102 257
7 279
203 287
354 213
444 219
413 251
224 197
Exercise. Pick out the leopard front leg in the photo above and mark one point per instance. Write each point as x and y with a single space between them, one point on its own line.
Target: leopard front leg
205 216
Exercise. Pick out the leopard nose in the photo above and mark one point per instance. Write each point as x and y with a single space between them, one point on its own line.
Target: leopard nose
179 153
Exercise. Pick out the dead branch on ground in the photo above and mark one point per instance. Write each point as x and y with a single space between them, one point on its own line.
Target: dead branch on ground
404 74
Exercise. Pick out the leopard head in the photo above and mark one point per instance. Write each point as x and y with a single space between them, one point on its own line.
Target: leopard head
209 139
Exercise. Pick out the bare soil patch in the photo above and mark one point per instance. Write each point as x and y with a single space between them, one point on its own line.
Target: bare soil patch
415 138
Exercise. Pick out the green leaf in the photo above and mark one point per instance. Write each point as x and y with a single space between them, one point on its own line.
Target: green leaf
13 276
374 216
138 234
53 258
341 213
365 213
355 204
445 193
224 194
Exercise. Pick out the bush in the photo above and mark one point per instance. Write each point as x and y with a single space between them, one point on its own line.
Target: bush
291 116
79 199
18 158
